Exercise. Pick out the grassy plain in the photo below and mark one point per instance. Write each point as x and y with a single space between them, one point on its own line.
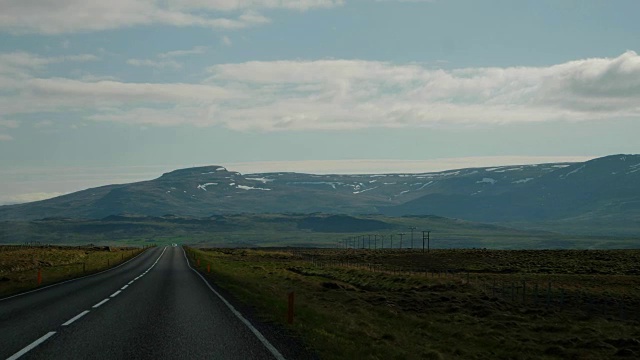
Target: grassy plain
297 230
19 265
448 304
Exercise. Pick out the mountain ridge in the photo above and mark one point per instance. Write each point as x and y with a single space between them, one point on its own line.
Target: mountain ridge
602 188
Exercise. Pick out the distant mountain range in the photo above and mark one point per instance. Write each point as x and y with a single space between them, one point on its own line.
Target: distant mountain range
600 192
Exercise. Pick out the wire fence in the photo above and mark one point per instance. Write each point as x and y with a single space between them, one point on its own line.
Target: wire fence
537 294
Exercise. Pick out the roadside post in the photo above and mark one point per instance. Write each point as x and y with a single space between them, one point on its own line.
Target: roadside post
290 308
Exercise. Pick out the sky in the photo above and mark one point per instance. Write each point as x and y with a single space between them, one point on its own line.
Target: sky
95 93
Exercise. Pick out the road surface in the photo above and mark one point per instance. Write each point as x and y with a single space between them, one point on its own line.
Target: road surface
152 307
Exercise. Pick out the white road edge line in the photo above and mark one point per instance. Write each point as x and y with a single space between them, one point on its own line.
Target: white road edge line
64 282
72 320
124 287
255 331
100 303
115 293
130 282
31 346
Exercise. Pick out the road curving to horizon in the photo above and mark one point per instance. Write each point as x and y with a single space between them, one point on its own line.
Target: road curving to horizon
153 307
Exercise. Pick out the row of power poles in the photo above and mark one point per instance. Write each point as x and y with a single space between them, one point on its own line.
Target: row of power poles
364 241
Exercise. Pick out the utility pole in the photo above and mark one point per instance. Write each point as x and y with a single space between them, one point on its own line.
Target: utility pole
369 241
401 235
428 240
412 228
391 238
375 242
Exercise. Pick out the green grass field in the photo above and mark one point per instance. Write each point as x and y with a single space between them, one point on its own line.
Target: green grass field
449 304
19 265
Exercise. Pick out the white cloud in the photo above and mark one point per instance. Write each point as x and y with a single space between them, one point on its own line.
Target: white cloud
43 124
166 59
5 137
196 50
232 5
344 94
408 1
158 64
22 63
226 40
70 16
12 124
351 94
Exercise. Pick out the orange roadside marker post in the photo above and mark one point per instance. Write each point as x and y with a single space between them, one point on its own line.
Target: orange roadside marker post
290 312
39 276
208 268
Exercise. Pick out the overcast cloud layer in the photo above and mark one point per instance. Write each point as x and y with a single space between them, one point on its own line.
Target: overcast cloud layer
332 94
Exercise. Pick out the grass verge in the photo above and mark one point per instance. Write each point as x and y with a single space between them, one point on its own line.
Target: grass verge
354 312
19 265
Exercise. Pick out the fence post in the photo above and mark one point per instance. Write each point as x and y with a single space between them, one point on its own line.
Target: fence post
513 292
549 293
290 308
524 291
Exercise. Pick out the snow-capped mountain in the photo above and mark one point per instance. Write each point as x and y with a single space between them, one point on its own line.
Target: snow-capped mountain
600 188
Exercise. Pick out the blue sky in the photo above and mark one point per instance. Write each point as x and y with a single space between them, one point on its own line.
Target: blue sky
96 92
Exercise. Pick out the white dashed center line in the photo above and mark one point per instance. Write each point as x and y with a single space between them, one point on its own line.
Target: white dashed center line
100 303
76 318
44 338
31 346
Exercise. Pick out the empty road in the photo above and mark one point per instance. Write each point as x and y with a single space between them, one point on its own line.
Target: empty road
153 307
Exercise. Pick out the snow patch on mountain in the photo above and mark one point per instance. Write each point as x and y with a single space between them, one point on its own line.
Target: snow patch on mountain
572 172
243 187
332 184
204 186
361 191
425 185
262 180
487 181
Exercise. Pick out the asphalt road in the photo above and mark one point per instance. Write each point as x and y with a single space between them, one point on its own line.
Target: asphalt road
153 307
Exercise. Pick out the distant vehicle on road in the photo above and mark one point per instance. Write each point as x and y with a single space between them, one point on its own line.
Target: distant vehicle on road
174 244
